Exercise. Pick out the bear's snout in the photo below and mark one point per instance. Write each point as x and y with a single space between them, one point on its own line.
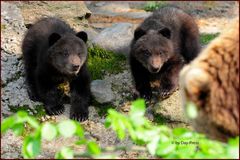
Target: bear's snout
155 64
75 67
74 62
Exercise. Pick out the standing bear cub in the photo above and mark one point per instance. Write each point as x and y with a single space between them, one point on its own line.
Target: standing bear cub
54 54
162 44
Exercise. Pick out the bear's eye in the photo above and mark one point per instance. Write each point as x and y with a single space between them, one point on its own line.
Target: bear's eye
147 53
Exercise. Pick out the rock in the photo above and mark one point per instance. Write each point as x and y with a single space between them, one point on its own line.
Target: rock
10 146
116 38
171 108
74 13
122 86
15 94
102 91
12 28
117 9
12 67
108 7
13 91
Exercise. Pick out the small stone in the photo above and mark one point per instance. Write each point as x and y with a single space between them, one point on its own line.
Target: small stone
102 91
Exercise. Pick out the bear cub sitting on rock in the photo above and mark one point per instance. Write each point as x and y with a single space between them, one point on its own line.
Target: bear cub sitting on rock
162 44
54 54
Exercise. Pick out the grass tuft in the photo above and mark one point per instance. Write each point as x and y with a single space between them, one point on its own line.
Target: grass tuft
206 38
101 62
151 6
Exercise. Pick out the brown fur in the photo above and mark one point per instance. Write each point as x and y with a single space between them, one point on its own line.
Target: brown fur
211 81
162 44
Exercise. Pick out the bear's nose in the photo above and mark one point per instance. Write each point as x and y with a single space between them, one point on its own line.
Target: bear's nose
75 67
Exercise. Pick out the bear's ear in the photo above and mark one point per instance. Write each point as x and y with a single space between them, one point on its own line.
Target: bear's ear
165 32
138 33
83 36
53 38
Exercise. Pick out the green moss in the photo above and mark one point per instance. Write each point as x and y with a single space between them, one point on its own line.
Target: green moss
206 38
37 112
158 119
151 6
101 62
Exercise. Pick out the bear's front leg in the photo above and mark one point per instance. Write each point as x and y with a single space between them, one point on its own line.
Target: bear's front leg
141 79
51 96
170 80
80 96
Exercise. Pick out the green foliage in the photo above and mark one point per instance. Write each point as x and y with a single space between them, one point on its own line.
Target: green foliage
65 153
164 142
206 38
32 143
101 62
159 140
153 5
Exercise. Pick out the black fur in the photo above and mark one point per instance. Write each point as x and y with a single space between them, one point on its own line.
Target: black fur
162 44
55 53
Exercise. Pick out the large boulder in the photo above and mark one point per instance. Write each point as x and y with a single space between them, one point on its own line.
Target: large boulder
116 38
12 28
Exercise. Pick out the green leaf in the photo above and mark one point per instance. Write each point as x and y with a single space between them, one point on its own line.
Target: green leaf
93 148
7 123
233 141
49 131
191 110
152 146
81 142
33 122
211 147
185 150
31 147
179 131
165 148
21 116
107 123
137 108
65 153
233 149
79 130
120 129
67 128
18 128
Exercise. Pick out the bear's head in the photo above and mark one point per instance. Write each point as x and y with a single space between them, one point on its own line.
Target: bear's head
68 52
152 48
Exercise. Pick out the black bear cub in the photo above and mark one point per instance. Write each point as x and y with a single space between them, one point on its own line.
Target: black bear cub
54 54
162 44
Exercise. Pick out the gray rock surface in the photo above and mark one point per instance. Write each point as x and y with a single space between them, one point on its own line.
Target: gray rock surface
123 9
122 86
102 91
171 108
13 92
116 38
12 28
